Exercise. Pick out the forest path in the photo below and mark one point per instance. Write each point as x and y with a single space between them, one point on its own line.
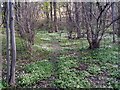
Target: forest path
53 58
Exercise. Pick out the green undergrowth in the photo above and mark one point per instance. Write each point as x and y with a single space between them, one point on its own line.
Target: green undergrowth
76 64
35 72
68 77
1 85
101 55
70 73
20 47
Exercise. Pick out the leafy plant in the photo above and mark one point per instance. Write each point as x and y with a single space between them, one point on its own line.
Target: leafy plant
94 69
35 72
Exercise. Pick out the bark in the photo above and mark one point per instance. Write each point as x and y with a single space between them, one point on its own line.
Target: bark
8 43
51 16
118 31
113 26
55 17
60 12
47 16
119 19
13 44
77 19
94 44
83 13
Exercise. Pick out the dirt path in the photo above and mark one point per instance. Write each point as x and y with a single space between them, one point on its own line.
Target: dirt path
53 57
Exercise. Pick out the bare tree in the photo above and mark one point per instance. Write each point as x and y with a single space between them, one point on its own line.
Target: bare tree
28 14
46 5
55 16
13 44
113 26
51 17
97 22
119 19
8 43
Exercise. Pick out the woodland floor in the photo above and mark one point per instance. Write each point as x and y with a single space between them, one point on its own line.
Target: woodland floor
58 62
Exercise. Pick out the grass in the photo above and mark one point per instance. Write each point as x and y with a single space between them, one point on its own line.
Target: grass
68 77
20 47
76 67
97 62
34 72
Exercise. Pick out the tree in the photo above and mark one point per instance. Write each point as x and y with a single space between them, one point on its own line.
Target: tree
77 18
8 42
119 19
11 43
96 20
46 5
113 26
118 32
51 17
55 17
27 22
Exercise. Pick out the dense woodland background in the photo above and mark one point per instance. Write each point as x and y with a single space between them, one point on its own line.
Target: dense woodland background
60 44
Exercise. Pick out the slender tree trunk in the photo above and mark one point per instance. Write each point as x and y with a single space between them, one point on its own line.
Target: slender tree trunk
60 13
90 8
8 43
13 44
83 18
113 26
55 17
47 17
51 16
119 19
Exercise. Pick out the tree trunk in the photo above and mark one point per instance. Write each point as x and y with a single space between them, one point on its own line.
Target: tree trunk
8 43
94 44
51 16
13 44
55 17
113 26
77 18
119 19
47 17
59 12
83 17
